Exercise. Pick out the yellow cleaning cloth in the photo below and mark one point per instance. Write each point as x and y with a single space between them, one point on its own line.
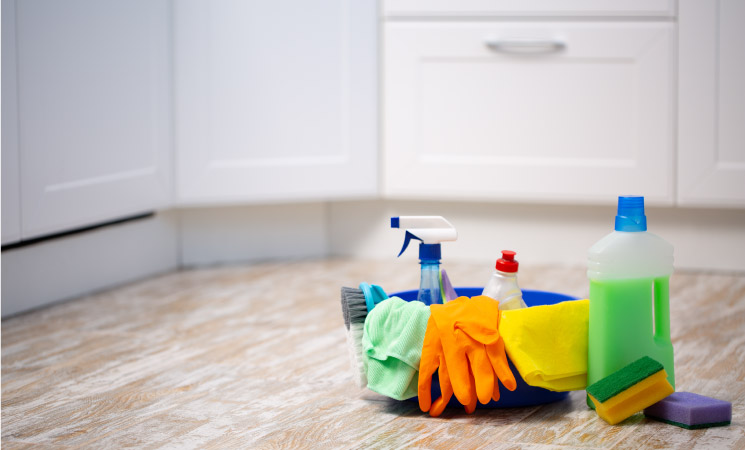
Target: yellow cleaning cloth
548 344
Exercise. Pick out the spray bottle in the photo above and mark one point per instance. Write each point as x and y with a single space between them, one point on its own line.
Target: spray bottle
431 231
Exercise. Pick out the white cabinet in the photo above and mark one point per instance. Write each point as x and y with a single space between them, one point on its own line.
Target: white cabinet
93 111
275 100
529 110
11 189
711 116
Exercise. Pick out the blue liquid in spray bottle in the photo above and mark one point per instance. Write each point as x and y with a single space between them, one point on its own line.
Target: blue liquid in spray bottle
429 284
430 230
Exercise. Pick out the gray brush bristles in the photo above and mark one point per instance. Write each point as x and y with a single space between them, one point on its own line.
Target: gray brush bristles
344 306
354 306
354 310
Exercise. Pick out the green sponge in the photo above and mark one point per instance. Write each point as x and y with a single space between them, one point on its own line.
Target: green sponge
630 390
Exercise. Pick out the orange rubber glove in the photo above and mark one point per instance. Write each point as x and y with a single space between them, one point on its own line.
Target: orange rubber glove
478 334
462 340
433 360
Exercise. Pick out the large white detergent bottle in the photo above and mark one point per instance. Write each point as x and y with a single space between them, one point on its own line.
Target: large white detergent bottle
629 272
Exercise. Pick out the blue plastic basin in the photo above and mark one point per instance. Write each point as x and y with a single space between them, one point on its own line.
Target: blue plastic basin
523 395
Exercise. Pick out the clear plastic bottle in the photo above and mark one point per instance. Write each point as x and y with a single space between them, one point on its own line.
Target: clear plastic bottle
629 271
429 283
502 285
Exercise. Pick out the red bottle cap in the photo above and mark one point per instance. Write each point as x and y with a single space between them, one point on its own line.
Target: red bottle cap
507 262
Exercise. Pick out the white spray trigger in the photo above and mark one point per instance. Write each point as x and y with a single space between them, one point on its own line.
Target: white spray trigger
407 238
427 229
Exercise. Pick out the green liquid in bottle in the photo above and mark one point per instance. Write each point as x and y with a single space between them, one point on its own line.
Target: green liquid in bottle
629 319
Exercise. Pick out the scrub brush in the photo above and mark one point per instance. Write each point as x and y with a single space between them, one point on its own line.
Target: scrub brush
355 304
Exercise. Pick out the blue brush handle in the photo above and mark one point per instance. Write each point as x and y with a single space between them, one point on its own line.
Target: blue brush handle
374 294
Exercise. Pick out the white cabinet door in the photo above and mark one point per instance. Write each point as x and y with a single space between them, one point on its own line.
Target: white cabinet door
560 111
711 137
275 100
11 189
94 99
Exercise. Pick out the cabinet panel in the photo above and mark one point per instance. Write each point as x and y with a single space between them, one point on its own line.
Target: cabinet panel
711 141
94 99
275 100
529 111
11 189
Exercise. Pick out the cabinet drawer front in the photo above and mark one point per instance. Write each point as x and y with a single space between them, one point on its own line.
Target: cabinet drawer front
575 111
598 8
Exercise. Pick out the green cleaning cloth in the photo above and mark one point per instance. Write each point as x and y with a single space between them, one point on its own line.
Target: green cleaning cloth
392 346
548 344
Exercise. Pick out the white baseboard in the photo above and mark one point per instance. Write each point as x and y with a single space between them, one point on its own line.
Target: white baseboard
704 239
75 265
225 235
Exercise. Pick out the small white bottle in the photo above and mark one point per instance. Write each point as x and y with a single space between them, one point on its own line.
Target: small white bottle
502 285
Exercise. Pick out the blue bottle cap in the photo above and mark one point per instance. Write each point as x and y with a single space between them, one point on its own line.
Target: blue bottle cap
630 215
429 252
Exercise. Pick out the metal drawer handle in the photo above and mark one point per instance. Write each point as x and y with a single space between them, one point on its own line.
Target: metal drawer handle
528 46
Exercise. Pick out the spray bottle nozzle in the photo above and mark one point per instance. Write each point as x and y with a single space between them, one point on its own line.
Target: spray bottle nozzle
429 230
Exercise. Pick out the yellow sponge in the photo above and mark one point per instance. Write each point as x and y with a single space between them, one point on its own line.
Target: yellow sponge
630 390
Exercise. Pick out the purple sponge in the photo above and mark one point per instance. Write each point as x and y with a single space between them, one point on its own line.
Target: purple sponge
691 411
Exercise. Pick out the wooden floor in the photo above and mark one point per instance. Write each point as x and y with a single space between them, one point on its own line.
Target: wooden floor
255 357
